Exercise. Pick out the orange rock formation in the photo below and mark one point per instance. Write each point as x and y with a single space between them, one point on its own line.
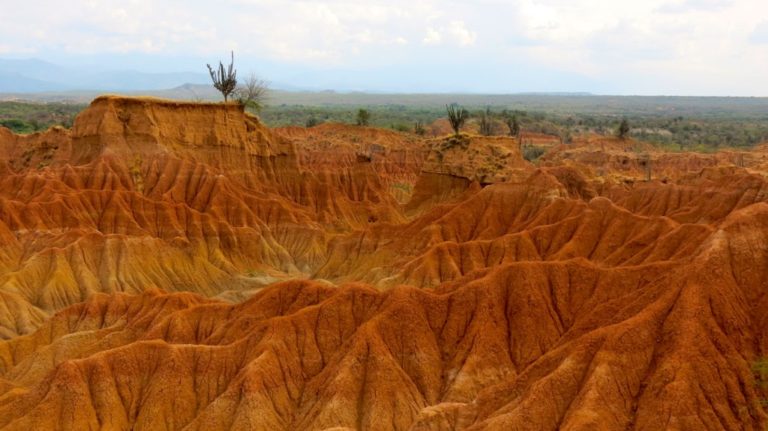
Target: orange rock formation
395 157
180 266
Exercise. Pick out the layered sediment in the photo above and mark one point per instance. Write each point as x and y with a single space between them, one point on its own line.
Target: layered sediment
172 265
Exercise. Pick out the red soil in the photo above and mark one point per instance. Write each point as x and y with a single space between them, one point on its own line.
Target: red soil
571 295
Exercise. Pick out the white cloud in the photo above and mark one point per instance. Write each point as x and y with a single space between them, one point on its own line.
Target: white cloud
700 48
670 46
461 34
694 5
433 37
455 31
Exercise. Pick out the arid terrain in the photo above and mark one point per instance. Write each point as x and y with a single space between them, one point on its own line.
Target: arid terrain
168 265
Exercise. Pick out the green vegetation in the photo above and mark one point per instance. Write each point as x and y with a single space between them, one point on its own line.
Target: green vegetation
671 123
486 122
390 116
363 117
458 140
623 130
512 124
532 153
457 116
418 128
706 131
400 127
311 122
33 117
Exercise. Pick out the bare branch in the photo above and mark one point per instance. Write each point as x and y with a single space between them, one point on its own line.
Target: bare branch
253 93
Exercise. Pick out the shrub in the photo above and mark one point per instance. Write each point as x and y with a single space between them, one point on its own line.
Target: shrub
311 122
17 126
513 125
400 127
418 128
253 93
363 117
623 130
532 153
461 141
486 123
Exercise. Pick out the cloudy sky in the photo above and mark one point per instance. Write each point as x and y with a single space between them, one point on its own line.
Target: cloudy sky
676 47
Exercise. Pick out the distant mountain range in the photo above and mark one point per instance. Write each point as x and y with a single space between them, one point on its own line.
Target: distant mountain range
33 75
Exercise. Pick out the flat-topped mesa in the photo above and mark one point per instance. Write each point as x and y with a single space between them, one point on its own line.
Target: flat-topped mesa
147 192
613 160
222 135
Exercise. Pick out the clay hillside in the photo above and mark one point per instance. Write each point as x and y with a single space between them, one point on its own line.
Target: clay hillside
180 266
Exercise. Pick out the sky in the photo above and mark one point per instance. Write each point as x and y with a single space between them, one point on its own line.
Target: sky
646 47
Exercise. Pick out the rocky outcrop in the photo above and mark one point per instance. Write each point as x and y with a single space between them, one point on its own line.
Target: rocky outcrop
335 149
180 196
458 163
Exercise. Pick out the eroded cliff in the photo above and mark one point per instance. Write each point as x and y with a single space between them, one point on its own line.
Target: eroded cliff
180 266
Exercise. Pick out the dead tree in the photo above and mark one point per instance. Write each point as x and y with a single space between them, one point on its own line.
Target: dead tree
513 125
253 93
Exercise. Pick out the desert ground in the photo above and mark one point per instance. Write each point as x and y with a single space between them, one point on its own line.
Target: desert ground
169 265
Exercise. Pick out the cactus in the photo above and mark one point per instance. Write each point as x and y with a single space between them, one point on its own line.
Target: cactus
457 116
224 80
486 124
